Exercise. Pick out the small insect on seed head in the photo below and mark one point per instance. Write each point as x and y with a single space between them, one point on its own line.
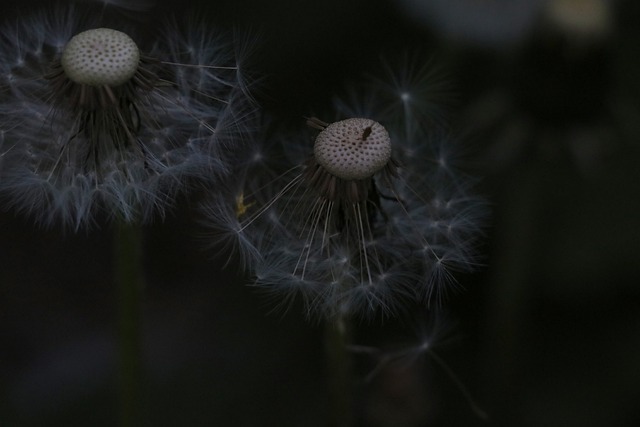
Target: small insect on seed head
347 154
353 148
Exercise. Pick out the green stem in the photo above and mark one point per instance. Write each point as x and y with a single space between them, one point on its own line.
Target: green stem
337 338
129 284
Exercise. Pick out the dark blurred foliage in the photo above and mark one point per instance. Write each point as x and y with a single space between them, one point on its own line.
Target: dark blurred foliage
547 334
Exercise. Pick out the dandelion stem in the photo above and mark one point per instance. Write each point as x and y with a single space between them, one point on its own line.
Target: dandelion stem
340 383
129 283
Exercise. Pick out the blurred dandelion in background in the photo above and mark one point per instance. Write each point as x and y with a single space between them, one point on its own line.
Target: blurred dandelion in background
364 216
100 120
581 19
488 23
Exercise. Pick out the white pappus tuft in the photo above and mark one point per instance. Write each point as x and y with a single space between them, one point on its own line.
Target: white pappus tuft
367 214
99 120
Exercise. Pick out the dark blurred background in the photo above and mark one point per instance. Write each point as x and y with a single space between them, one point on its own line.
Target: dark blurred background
545 97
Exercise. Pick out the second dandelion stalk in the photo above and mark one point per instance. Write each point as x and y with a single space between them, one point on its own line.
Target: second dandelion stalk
129 284
339 365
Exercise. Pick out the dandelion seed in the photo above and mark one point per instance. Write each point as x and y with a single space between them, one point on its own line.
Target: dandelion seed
361 221
98 124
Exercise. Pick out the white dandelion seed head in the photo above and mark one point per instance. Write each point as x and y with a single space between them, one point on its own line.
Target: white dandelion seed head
355 231
354 148
95 126
100 57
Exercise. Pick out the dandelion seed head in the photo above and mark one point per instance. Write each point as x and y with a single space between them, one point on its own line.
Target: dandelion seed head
102 122
364 221
100 57
354 148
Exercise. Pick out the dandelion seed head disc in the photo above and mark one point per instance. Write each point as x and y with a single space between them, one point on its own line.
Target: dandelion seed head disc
353 148
100 57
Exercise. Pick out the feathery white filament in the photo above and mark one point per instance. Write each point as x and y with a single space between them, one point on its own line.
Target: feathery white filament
100 57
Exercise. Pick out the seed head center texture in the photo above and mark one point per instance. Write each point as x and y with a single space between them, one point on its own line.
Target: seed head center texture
353 148
100 57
